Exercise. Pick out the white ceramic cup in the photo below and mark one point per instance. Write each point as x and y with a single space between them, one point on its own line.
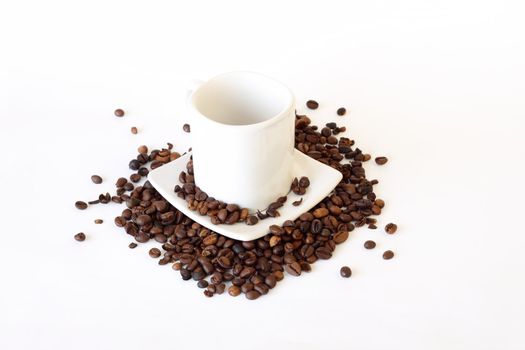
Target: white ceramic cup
242 133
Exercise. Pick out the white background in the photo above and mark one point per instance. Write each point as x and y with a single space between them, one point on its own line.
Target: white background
438 87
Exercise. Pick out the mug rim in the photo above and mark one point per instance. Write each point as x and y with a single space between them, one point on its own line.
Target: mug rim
274 119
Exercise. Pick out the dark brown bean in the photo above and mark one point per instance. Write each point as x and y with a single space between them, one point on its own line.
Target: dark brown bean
186 127
341 111
119 112
234 291
381 160
312 104
387 255
96 179
80 237
252 295
134 130
293 269
391 228
132 245
345 272
98 221
297 203
81 205
154 253
370 244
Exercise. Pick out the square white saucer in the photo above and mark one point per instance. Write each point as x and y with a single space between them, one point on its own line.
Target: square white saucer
323 180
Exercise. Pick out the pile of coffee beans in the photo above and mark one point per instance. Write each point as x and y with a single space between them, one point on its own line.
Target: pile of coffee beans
217 263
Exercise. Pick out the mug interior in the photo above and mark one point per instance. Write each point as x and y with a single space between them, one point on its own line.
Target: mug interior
241 98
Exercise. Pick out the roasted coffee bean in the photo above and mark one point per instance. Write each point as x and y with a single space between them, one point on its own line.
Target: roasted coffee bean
81 205
134 164
323 253
252 220
143 149
94 202
186 127
293 269
391 228
135 178
121 182
129 186
252 295
98 221
320 213
143 220
134 130
331 125
234 291
387 255
341 111
119 112
96 179
276 230
154 253
345 272
340 237
143 171
132 245
370 244
202 284
312 104
304 182
381 160
185 274
80 237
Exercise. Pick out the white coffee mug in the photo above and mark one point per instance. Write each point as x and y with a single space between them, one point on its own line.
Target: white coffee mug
242 133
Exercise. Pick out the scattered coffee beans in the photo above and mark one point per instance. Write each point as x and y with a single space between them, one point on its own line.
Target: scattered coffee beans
312 104
370 244
391 228
381 160
345 272
186 127
119 112
81 205
132 245
99 221
80 237
341 111
387 255
219 263
134 130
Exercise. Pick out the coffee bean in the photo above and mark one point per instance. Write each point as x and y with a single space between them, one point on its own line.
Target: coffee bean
143 220
154 253
96 179
297 203
323 253
312 104
234 291
320 213
304 182
391 228
135 178
276 230
80 237
134 164
252 220
341 111
132 245
381 160
340 237
370 244
331 125
134 130
186 127
98 221
81 205
345 272
119 112
202 284
387 255
293 269
252 295
143 149
94 202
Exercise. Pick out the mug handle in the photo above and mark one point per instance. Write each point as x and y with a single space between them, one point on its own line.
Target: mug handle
192 86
